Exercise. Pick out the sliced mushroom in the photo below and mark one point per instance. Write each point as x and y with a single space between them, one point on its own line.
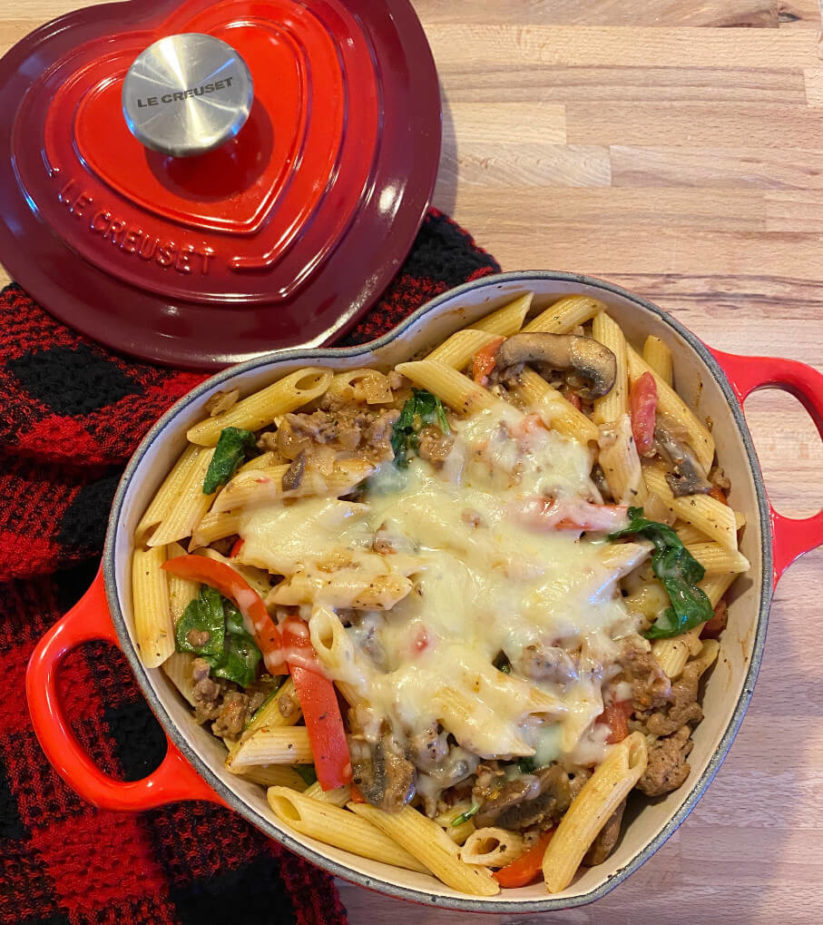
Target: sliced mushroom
293 476
382 772
687 476
593 367
527 800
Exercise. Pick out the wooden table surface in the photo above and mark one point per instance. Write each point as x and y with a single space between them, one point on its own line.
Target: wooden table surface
674 147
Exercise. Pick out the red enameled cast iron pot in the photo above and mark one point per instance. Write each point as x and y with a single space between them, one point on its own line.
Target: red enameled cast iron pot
713 383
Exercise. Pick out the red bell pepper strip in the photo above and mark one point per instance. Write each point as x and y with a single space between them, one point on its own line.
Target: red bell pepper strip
524 869
321 711
616 715
236 547
484 360
232 585
643 406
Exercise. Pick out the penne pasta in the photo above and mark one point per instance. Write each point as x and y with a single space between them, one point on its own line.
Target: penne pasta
426 841
659 358
339 796
169 492
272 745
178 669
613 406
718 559
261 408
323 820
671 404
620 462
273 775
188 506
565 314
710 516
262 486
152 613
459 349
492 847
672 654
554 410
507 320
602 793
361 385
450 386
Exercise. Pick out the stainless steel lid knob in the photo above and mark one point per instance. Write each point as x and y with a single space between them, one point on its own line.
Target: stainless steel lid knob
187 94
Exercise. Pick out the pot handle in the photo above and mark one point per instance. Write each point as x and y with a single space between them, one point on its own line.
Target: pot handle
792 537
174 779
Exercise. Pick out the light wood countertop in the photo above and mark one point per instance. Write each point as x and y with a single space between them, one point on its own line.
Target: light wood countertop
674 147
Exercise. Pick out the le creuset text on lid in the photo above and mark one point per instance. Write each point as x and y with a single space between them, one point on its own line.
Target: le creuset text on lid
254 182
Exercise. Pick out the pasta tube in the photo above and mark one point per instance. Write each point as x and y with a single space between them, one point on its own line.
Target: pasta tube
602 793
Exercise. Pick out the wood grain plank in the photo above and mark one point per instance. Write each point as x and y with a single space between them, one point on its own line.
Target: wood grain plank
521 123
504 45
465 164
524 236
657 13
794 210
706 167
813 80
695 125
558 208
540 84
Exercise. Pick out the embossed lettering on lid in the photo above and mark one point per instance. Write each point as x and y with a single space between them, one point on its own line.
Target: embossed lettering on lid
187 94
283 234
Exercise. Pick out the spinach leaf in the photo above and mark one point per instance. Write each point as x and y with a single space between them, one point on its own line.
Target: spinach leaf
239 660
230 651
229 454
677 570
307 772
203 615
421 410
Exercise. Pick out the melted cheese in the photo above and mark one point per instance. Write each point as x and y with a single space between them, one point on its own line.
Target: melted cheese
482 578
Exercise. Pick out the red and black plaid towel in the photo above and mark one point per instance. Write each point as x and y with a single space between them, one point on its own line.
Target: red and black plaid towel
71 414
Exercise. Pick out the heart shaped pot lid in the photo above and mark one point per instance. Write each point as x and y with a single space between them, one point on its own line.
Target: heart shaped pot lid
279 232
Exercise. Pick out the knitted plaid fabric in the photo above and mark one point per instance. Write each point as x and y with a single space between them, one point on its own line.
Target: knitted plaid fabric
71 415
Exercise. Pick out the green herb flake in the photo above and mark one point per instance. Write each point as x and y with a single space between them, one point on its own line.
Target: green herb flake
230 651
421 410
677 570
229 455
464 817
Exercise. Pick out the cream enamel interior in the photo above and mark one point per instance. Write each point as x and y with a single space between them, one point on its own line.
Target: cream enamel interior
725 684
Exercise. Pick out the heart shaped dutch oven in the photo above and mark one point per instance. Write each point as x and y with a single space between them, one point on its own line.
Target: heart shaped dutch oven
268 240
713 383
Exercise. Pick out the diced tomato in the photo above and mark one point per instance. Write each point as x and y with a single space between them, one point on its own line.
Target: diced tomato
718 494
522 871
421 639
232 585
236 547
484 361
321 711
714 627
643 406
616 715
573 398
356 795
